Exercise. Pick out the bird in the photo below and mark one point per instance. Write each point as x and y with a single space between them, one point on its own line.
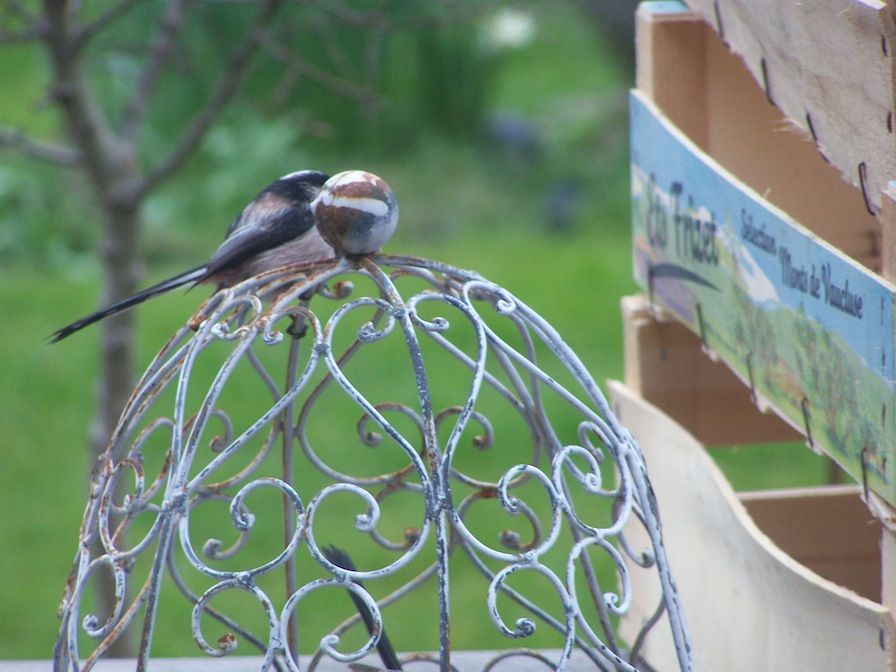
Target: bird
384 647
276 229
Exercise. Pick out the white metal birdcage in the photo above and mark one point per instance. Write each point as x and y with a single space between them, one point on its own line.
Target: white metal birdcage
405 387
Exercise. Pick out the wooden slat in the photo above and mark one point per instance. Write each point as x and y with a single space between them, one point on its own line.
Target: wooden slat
886 513
748 605
665 363
464 660
888 237
809 328
711 97
671 64
888 574
828 61
828 529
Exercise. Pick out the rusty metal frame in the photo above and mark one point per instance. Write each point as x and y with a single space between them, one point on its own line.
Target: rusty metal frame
301 311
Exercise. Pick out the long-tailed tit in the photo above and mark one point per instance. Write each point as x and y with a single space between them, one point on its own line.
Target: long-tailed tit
276 229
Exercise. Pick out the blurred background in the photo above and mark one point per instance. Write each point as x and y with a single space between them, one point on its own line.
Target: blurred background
502 129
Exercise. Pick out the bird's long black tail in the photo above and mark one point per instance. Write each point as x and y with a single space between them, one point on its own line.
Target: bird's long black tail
191 276
384 647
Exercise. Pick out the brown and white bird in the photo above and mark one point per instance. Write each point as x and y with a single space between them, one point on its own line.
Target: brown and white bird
276 229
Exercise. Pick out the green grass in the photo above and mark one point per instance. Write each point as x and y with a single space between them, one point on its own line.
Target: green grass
775 465
46 411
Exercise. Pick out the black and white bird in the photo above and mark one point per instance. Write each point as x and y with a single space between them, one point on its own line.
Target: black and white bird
302 217
276 229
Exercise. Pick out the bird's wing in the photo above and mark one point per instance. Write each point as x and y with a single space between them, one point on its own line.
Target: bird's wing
247 239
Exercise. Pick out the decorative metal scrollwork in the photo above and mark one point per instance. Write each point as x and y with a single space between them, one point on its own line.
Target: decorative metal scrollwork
410 412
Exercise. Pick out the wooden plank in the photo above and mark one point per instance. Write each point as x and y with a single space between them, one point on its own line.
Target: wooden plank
748 605
671 64
888 233
829 66
827 529
888 574
802 324
464 660
886 514
755 142
707 92
666 365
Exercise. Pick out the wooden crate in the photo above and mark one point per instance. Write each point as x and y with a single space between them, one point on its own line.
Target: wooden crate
764 237
749 604
828 66
747 234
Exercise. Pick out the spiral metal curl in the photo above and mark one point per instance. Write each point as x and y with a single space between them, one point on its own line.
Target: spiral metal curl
344 392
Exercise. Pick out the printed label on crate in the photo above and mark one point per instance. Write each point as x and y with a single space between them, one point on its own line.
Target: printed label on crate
810 329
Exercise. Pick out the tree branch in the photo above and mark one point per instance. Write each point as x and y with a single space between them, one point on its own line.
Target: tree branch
36 149
298 67
443 12
28 27
228 86
18 9
101 155
28 34
170 26
88 30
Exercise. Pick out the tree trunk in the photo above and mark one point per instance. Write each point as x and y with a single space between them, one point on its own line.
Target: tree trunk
113 174
107 156
116 375
117 356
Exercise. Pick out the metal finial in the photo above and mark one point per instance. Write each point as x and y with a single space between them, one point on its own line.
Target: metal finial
356 212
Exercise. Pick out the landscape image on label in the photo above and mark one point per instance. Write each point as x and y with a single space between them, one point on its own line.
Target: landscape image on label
808 328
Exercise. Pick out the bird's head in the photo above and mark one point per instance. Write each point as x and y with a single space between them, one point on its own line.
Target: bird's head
302 185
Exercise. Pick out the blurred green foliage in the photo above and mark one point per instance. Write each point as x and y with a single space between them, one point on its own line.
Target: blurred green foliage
415 88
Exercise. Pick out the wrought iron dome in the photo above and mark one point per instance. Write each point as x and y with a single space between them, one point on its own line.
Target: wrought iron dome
417 416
